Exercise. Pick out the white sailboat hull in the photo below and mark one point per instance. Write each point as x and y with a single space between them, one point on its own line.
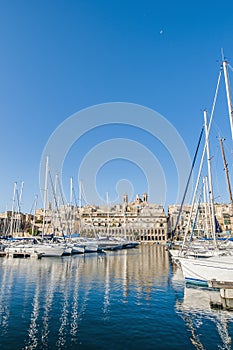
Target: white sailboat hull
202 271
78 249
49 249
91 247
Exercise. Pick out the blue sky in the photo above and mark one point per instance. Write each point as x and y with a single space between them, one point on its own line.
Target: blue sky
58 57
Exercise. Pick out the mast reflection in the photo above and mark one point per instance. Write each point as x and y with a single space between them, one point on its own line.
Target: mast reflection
200 306
52 296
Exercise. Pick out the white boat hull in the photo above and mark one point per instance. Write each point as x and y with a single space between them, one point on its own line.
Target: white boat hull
202 271
91 248
49 250
77 249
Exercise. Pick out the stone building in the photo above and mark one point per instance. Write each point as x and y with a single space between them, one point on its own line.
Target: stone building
11 225
137 220
201 217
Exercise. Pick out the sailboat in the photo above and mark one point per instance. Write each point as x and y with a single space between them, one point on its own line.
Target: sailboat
196 248
43 247
219 267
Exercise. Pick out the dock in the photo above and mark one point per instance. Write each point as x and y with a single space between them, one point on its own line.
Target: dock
226 292
220 284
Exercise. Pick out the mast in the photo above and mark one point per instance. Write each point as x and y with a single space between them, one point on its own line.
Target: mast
55 191
12 210
206 201
56 204
226 169
45 194
18 219
34 214
213 226
80 206
5 223
195 217
107 213
201 162
70 207
20 194
71 190
80 195
229 104
186 188
125 236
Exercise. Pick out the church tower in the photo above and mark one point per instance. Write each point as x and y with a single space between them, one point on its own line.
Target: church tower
125 198
145 197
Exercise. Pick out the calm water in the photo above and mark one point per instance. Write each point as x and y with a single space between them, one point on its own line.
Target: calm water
121 300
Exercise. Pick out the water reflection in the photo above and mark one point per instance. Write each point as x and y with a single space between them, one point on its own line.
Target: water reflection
74 309
47 303
33 328
5 295
201 311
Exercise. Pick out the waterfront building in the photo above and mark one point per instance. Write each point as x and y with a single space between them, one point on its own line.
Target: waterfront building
13 224
223 214
137 220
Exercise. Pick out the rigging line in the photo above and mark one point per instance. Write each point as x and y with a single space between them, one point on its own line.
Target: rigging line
215 175
196 216
228 183
83 193
187 185
229 83
55 199
33 204
17 200
17 222
217 128
76 204
229 148
216 93
215 160
203 156
221 134
230 66
61 192
75 197
85 199
30 212
65 207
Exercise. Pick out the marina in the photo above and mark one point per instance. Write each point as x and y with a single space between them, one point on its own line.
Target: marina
116 210
117 300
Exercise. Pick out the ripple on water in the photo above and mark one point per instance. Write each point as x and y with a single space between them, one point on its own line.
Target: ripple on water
121 300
